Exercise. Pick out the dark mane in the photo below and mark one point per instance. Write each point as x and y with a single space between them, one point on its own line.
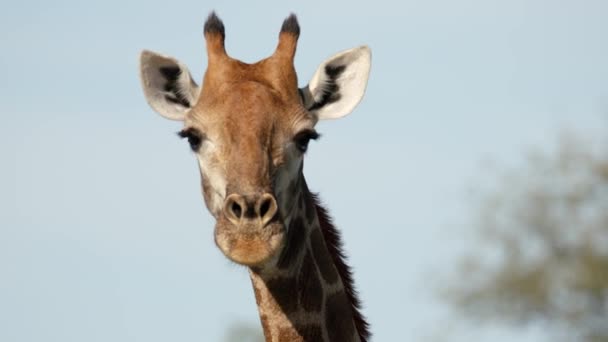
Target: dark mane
334 246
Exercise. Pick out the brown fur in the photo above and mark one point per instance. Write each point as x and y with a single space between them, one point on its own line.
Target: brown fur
249 113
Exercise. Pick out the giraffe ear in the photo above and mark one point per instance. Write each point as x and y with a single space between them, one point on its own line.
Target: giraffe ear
167 84
338 84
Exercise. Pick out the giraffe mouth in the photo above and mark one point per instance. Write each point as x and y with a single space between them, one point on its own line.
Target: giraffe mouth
249 245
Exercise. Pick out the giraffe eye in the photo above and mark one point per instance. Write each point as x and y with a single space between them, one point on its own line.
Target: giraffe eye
302 139
194 136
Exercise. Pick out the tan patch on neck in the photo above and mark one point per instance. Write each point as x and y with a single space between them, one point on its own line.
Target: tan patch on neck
287 335
266 327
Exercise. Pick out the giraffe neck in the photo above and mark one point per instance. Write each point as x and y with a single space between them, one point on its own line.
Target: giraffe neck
303 297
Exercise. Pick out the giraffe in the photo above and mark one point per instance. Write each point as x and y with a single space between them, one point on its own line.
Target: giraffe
249 126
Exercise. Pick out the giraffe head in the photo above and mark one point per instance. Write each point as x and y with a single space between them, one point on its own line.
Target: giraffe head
249 126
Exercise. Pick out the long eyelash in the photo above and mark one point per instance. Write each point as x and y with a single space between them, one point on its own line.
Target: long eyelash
189 132
308 133
184 133
314 135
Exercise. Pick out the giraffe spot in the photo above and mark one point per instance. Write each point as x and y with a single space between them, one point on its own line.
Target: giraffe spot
292 189
293 245
338 318
322 257
312 333
309 286
282 290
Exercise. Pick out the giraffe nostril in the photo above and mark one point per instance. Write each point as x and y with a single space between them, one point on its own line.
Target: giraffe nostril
264 207
236 209
267 208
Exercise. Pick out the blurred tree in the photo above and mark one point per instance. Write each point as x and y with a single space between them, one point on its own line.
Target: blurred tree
545 228
243 332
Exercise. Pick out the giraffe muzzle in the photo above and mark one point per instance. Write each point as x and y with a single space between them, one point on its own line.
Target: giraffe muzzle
249 231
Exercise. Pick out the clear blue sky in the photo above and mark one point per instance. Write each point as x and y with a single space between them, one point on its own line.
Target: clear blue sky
103 231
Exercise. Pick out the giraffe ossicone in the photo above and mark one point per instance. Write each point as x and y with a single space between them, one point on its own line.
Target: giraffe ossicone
249 126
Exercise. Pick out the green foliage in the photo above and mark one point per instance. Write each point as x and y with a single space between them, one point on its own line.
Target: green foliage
544 230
